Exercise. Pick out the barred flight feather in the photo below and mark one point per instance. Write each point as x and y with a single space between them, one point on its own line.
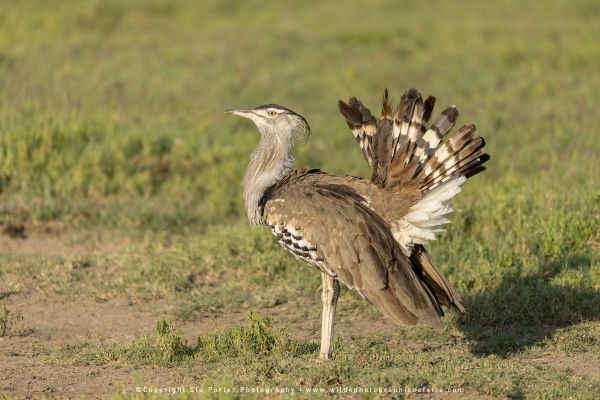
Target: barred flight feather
440 128
362 123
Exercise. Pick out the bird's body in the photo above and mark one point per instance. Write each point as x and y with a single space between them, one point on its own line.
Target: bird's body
326 222
368 234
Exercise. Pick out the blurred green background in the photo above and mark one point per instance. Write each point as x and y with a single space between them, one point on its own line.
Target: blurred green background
123 99
111 119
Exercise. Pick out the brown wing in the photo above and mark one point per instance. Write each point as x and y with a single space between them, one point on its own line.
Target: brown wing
329 226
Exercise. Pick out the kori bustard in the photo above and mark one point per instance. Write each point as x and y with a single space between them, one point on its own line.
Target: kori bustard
368 234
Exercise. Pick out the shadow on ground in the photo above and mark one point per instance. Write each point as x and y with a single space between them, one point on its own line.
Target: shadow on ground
526 309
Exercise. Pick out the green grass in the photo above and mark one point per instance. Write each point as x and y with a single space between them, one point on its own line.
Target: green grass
112 126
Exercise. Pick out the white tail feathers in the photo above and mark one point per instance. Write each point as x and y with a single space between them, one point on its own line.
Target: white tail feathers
426 218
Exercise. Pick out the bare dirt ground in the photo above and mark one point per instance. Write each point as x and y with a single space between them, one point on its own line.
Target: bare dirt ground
26 371
50 240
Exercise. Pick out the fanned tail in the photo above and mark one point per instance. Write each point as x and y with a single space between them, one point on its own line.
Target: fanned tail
402 151
431 156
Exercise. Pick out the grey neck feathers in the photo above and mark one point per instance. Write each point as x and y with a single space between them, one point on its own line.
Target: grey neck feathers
269 163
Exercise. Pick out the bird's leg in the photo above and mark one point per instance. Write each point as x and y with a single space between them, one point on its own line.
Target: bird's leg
331 290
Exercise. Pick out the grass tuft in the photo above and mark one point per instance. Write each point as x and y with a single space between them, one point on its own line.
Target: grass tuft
170 343
11 322
256 339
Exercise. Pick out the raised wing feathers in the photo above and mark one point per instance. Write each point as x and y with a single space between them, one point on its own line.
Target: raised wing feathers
415 161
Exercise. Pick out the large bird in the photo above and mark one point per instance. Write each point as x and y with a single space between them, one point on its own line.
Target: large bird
368 234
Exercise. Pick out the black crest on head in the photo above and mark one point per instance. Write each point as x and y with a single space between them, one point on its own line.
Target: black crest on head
287 111
277 107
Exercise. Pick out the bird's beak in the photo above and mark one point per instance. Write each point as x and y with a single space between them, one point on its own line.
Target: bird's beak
241 113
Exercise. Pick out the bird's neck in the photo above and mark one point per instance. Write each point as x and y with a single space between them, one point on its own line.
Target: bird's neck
269 163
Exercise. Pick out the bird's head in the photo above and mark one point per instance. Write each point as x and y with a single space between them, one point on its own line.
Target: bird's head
275 119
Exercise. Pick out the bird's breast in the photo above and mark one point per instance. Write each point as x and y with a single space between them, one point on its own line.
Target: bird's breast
292 239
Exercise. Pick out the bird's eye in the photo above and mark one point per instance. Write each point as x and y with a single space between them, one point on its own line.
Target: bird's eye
271 113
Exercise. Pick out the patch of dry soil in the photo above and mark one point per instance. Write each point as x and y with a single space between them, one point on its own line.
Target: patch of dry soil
581 364
50 240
